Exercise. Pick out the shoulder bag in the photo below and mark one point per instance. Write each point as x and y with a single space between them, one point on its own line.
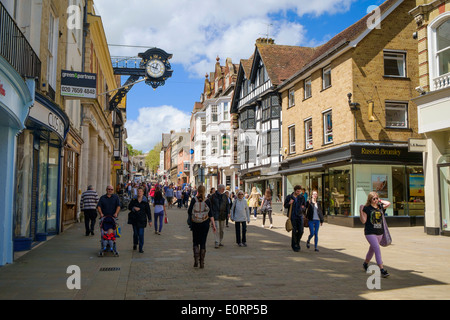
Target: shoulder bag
288 221
386 240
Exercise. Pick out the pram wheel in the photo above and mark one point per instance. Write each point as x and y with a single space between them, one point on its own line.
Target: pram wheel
100 254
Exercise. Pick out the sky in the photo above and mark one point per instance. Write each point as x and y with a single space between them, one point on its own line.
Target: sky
196 33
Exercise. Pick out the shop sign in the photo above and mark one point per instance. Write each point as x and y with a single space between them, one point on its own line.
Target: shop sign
48 118
381 152
417 145
78 84
309 160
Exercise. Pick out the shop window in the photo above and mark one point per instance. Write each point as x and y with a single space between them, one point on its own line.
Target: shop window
444 188
338 192
396 115
308 134
395 64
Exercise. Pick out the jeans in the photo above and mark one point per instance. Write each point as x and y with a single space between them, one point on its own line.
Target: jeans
159 217
297 233
314 231
179 202
138 236
238 225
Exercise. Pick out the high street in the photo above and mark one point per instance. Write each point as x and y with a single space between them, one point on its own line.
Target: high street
265 270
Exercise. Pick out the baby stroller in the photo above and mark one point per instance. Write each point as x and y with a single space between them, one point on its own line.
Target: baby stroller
106 223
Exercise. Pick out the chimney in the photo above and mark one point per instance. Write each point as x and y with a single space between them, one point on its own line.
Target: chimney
265 41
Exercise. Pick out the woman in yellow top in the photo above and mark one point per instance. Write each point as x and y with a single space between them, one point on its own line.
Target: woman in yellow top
253 201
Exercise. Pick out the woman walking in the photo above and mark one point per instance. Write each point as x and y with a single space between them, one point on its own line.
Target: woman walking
371 217
179 196
314 213
240 214
139 213
266 207
253 201
159 204
199 219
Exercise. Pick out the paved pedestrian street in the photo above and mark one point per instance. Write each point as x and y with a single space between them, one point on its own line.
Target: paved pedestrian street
265 270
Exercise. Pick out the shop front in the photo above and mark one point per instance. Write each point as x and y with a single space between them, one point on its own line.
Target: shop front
344 176
38 175
16 97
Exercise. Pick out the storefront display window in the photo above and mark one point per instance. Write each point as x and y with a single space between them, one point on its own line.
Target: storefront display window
52 197
444 187
22 216
43 171
339 190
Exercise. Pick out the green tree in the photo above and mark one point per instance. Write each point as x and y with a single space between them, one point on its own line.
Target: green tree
152 159
133 152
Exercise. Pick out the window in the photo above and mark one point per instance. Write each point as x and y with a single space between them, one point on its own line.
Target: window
291 133
395 64
396 115
248 119
443 47
214 145
226 111
308 91
52 49
291 98
326 78
214 113
327 127
203 150
203 124
308 134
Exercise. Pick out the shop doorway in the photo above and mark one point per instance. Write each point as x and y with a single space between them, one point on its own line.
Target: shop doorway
444 195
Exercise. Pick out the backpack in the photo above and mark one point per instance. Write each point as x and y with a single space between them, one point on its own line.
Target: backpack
199 211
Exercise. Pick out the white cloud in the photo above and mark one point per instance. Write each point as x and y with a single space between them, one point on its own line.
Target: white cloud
196 32
145 132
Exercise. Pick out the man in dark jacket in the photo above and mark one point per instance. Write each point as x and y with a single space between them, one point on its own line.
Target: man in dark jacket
140 213
220 209
297 201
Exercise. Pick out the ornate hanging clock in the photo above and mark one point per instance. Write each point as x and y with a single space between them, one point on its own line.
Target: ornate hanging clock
157 66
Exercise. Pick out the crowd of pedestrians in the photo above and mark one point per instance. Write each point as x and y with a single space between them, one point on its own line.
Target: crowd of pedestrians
215 209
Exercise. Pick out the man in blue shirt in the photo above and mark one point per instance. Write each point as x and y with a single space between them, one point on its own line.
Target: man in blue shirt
109 203
297 201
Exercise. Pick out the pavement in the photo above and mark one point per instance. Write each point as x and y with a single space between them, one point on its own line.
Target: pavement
267 269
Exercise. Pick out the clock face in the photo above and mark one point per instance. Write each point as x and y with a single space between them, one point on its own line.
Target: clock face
155 68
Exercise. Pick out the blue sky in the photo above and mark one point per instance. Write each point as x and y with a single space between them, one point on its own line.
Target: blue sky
197 34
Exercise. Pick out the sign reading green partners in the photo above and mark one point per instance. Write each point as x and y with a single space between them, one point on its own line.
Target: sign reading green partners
78 84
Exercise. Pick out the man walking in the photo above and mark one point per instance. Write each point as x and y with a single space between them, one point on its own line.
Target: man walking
109 203
220 208
297 201
88 204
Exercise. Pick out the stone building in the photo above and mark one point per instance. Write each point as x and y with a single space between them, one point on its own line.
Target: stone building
433 41
347 118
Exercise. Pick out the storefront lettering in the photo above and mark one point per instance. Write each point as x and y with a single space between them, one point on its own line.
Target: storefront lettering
381 152
309 160
55 123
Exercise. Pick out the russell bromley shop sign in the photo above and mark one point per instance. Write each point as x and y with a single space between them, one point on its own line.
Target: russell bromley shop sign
381 152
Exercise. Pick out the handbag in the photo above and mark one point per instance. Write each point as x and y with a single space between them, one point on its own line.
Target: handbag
288 225
386 239
166 220
305 219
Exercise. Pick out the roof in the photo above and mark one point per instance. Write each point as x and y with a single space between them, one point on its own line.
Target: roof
281 61
345 38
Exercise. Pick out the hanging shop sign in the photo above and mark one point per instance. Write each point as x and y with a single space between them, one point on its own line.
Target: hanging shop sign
78 84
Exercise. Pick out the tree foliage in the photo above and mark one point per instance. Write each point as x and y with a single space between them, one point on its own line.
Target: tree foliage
152 159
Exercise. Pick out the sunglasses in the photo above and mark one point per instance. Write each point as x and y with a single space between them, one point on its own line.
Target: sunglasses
374 199
109 189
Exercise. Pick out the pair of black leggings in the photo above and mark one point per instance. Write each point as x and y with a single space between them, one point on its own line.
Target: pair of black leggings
200 234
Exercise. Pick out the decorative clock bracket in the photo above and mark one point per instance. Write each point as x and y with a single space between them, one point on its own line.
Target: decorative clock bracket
154 67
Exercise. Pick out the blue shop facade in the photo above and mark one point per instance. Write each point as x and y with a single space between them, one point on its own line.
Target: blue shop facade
37 203
16 98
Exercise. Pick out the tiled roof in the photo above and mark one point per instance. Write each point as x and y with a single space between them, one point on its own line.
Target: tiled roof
281 61
346 36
